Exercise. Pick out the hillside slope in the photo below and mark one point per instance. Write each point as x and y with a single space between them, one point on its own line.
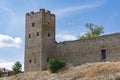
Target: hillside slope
88 71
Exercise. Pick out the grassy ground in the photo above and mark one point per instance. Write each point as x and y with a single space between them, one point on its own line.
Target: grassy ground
88 71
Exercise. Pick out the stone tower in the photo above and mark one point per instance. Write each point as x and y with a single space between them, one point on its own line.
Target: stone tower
39 39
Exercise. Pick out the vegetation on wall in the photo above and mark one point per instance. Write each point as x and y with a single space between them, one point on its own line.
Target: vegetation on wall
95 31
17 67
54 65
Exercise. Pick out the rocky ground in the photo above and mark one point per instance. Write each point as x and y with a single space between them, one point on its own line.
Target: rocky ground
88 71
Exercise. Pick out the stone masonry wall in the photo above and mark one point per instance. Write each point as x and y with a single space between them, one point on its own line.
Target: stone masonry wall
40 44
39 39
48 37
89 50
33 42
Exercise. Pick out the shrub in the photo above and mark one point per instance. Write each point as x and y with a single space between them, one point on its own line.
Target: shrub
54 65
1 73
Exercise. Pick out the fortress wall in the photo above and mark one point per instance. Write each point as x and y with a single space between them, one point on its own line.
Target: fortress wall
89 50
40 44
32 41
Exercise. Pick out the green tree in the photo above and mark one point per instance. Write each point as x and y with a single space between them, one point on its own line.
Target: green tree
1 73
17 67
95 31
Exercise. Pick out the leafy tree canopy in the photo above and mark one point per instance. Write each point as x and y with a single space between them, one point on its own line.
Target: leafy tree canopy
17 67
94 31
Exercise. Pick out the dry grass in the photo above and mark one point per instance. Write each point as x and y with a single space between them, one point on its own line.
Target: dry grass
102 68
89 71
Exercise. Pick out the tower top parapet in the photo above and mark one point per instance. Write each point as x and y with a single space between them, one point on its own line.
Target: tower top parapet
43 11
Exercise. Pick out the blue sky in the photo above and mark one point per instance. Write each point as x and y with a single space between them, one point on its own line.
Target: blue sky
71 16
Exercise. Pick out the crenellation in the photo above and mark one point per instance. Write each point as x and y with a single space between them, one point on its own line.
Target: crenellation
27 14
32 12
42 10
48 12
53 15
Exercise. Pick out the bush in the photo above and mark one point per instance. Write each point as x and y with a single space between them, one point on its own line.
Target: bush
1 73
54 65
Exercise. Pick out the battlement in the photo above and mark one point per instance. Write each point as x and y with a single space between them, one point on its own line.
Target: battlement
43 11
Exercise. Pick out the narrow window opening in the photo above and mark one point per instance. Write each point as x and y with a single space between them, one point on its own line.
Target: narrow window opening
30 61
35 61
48 34
48 23
37 33
103 55
47 59
33 24
29 36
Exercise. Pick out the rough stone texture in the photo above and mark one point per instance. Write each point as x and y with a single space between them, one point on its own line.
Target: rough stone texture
39 39
89 50
38 49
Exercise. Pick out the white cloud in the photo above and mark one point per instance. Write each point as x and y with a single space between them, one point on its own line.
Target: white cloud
65 37
8 41
6 64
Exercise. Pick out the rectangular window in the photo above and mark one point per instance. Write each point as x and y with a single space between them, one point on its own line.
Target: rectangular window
29 36
48 34
47 59
48 23
103 55
33 24
37 33
30 61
